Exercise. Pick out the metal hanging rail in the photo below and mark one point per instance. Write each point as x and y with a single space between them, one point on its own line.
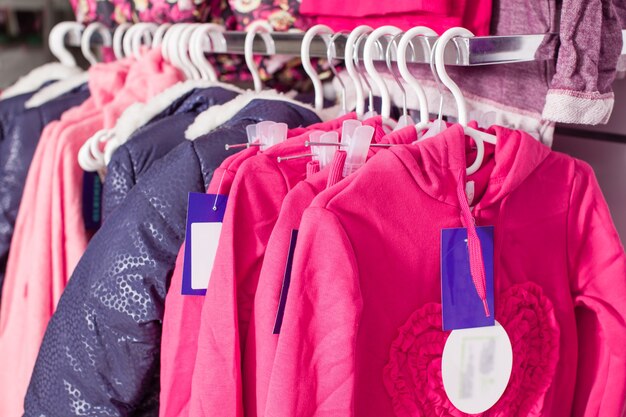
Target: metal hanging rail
479 50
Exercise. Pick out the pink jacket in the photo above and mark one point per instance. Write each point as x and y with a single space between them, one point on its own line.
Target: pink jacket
181 322
362 329
261 342
50 236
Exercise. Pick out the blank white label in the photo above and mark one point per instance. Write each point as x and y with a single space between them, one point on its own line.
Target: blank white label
476 367
204 240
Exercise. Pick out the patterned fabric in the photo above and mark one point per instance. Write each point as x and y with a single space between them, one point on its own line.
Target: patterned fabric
276 72
113 12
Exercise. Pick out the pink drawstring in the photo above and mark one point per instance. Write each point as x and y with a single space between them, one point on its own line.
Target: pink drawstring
477 267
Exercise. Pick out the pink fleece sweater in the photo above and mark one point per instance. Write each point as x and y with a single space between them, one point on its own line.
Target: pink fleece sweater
181 322
362 330
261 341
50 236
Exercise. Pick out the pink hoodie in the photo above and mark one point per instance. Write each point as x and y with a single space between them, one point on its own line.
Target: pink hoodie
181 321
261 342
362 329
50 236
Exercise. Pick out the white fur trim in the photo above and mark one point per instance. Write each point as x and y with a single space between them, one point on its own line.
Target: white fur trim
39 76
139 114
564 106
508 116
216 116
56 90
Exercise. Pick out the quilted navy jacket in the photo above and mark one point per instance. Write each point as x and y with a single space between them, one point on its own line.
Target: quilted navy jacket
153 141
100 353
22 134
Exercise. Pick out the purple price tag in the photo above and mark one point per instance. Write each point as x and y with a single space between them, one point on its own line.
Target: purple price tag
286 282
202 210
462 308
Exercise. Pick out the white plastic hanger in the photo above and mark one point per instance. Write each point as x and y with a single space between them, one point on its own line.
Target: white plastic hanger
118 37
349 61
479 137
127 40
305 55
404 120
371 112
405 41
144 35
170 43
57 41
159 34
85 41
368 59
264 30
183 52
205 39
331 51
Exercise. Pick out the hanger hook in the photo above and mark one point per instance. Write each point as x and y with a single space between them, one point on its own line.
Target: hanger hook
127 41
349 61
184 44
118 37
85 41
391 48
405 42
171 44
198 47
368 59
56 40
145 34
440 66
305 55
362 75
331 52
264 30
159 34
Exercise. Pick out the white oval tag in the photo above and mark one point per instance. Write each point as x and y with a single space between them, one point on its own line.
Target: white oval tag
476 367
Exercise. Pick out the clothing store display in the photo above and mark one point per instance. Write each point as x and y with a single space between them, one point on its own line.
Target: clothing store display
122 280
368 258
16 152
378 228
154 140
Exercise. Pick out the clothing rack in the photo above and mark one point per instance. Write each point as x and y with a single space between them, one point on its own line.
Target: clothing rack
479 50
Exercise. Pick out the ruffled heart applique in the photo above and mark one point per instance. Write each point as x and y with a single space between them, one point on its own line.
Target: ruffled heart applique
413 375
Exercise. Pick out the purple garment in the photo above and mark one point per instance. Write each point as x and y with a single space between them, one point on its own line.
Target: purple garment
153 141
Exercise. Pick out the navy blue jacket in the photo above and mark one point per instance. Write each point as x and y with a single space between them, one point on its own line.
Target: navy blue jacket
100 353
10 108
22 133
153 141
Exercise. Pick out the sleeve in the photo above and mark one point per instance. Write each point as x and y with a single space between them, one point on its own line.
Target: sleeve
314 372
100 353
598 271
